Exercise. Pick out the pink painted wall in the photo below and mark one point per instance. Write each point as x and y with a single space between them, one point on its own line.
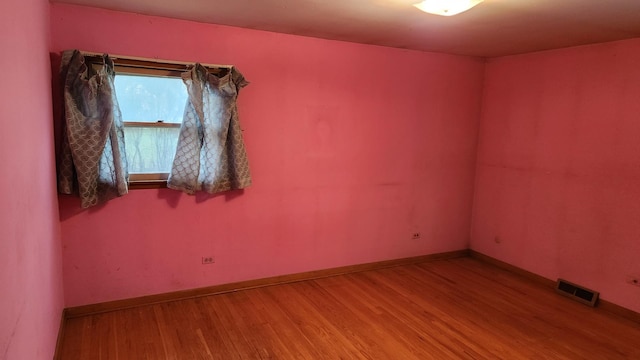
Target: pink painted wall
31 296
558 177
352 148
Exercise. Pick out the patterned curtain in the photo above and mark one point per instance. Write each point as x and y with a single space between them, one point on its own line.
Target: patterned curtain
210 155
93 161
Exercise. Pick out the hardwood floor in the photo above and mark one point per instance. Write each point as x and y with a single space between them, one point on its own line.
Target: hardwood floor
451 309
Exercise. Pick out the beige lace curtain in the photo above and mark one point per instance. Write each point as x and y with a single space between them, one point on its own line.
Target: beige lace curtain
210 155
93 162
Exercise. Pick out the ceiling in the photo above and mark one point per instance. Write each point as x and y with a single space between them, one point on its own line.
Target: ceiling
493 28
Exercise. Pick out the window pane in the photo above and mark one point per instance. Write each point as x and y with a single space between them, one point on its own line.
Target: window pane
150 150
149 99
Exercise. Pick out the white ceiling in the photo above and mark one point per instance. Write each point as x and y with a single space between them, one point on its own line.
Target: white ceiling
493 28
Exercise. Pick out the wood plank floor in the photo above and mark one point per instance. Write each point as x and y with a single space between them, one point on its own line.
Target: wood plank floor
451 309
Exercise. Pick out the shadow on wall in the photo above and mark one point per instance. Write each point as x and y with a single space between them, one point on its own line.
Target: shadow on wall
69 205
172 197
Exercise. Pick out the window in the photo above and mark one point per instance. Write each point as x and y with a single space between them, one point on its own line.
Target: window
152 110
209 155
152 98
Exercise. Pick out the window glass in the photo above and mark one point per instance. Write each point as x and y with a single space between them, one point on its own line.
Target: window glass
150 98
152 109
150 150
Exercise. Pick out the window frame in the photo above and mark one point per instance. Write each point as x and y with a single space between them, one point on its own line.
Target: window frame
149 180
157 68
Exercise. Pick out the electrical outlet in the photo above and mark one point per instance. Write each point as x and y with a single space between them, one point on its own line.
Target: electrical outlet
206 260
415 235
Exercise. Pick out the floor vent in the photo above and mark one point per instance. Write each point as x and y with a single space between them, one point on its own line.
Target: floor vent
577 292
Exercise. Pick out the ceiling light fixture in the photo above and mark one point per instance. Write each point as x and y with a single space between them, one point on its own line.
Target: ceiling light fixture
446 7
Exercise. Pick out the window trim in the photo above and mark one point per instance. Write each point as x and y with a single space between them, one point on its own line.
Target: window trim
157 124
148 181
155 67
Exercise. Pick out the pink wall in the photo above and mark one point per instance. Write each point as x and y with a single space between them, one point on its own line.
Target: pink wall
352 148
31 297
558 178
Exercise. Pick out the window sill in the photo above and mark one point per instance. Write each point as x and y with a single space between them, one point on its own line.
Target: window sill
148 181
147 184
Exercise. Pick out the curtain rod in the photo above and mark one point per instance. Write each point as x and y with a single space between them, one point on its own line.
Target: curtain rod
132 60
